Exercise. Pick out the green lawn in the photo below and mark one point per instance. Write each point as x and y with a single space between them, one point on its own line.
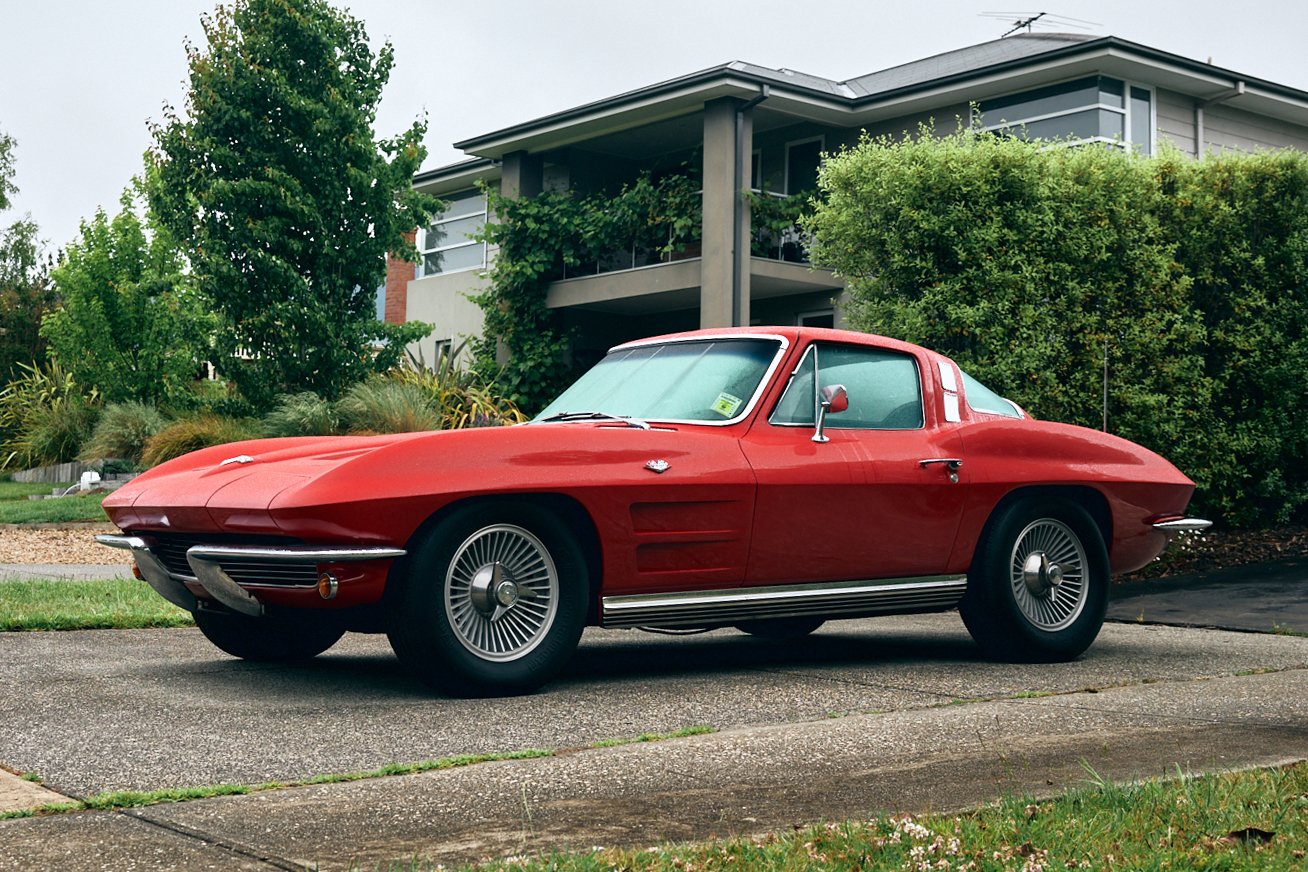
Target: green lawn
21 510
45 604
1255 821
20 490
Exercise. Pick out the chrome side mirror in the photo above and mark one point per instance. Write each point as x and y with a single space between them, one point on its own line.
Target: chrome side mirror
833 399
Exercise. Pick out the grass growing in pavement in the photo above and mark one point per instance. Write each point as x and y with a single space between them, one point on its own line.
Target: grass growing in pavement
1254 820
120 603
84 507
132 798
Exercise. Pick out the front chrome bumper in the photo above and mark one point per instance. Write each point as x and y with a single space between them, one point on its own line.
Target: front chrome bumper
204 562
1182 525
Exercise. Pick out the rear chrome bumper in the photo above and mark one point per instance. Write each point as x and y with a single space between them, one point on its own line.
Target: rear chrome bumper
204 562
1181 525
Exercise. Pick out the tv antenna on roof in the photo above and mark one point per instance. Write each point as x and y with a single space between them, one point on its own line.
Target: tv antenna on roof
1029 20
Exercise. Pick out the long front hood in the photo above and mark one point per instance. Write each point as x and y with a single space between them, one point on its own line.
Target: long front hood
380 489
229 488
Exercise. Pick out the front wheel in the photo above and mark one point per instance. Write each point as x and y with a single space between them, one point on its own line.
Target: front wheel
494 603
1038 589
273 638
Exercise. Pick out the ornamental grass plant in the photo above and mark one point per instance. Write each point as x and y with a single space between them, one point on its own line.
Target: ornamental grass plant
193 433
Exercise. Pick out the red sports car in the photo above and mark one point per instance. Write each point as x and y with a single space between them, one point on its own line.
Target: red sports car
768 479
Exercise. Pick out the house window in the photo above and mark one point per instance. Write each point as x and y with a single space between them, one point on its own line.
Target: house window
1093 109
802 161
823 318
447 245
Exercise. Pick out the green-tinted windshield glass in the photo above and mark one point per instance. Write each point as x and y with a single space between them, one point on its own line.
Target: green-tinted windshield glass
982 399
705 380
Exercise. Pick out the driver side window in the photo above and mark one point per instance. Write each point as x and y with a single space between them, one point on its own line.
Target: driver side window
885 392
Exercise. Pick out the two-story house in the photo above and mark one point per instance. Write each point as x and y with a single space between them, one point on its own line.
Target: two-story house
740 126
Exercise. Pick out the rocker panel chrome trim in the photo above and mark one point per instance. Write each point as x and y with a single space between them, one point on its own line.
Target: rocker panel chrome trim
844 599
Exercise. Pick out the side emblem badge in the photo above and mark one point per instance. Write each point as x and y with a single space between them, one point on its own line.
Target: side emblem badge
659 466
240 458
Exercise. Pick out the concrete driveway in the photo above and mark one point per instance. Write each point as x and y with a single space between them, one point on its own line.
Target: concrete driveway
855 718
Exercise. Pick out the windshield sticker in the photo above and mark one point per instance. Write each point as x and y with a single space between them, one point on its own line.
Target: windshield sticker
726 405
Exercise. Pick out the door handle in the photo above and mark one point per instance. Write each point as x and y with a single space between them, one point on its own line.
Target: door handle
952 462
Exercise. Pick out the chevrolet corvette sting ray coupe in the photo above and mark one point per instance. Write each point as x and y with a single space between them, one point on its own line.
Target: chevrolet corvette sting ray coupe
768 479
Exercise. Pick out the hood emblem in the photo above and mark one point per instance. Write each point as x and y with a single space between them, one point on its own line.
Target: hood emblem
658 466
240 458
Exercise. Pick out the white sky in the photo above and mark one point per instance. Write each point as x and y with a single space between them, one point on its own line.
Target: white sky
80 78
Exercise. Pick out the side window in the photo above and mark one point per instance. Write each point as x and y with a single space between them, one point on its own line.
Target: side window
884 390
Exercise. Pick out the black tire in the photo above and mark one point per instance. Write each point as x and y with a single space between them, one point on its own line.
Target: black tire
279 637
780 628
465 631
1024 613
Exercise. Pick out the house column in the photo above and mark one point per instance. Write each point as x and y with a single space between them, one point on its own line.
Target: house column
523 175
718 245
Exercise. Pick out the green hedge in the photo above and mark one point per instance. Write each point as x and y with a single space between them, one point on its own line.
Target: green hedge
1028 264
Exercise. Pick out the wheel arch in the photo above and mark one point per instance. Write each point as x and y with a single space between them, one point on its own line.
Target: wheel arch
566 508
1094 503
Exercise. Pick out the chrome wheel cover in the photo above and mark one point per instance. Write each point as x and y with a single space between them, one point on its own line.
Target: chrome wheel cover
1049 605
509 621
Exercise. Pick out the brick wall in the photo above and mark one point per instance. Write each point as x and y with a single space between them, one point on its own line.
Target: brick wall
398 275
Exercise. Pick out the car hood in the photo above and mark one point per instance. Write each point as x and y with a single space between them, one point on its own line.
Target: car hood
380 488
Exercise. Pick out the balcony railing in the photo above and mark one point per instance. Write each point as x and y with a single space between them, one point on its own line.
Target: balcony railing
770 238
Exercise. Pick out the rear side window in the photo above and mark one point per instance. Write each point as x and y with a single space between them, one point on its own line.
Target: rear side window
884 389
981 399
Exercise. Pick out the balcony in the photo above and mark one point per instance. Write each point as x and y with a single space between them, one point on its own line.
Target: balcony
644 278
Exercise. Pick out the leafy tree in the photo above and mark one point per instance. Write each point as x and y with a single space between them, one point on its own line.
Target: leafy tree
128 324
7 170
288 206
26 295
25 290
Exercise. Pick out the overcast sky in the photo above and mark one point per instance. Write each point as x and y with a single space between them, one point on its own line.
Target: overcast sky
79 79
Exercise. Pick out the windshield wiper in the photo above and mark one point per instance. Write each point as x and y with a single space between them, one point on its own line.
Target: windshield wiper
600 416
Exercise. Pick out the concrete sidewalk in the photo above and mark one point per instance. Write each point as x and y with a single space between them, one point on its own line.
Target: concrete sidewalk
63 571
854 720
737 781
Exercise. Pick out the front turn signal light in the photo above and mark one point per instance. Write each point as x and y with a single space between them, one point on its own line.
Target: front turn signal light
136 571
327 585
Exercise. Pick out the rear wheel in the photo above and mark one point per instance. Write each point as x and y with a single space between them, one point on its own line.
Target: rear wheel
780 628
1038 589
273 638
494 603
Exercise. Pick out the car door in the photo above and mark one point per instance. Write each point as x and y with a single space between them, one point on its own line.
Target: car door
862 505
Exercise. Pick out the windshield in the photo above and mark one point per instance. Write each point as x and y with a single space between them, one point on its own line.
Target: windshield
710 380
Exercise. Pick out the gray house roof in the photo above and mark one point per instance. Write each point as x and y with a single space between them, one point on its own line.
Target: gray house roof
962 61
968 74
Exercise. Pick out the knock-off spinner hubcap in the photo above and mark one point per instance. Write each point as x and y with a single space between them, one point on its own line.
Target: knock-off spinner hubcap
1040 575
501 592
1049 574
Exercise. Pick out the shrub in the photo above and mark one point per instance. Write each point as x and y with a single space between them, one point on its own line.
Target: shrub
462 397
54 433
1028 265
122 432
302 414
191 434
44 417
384 405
